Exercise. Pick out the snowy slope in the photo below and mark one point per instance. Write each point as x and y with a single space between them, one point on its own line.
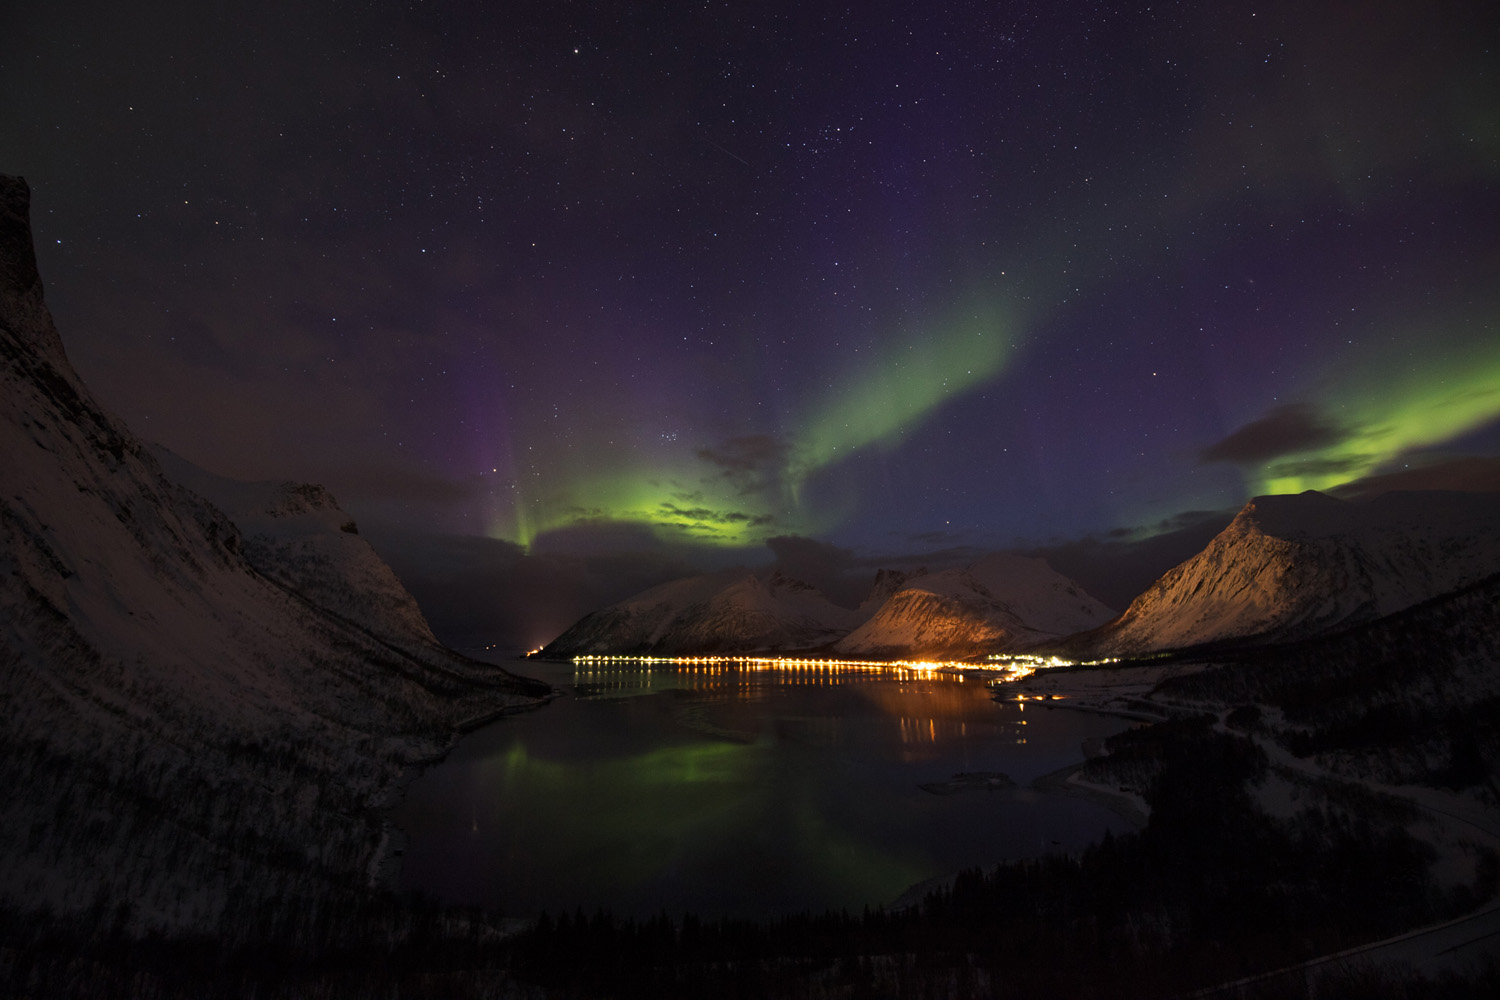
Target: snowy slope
999 603
1044 599
730 611
1289 567
297 535
186 732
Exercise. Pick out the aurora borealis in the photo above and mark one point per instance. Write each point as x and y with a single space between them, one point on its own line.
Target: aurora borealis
893 277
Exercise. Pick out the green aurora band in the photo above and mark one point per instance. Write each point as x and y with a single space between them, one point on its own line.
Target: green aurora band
880 405
1416 404
688 499
1327 135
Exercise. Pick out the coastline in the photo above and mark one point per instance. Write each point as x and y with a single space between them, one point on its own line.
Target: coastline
1095 699
385 861
1065 781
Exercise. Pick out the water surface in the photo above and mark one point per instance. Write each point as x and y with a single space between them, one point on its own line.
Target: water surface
728 790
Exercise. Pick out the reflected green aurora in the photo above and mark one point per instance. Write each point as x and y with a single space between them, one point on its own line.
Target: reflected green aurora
739 793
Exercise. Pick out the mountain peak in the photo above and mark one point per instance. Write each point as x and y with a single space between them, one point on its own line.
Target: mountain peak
1293 514
23 313
728 611
781 582
999 602
1294 566
19 277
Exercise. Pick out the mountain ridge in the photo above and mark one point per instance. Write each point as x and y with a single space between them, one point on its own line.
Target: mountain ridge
1286 567
1000 602
1294 566
201 740
731 610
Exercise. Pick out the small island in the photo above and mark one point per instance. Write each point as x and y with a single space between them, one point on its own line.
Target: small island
969 781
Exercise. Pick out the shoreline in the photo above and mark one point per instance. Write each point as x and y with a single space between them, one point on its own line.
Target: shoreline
1118 713
1059 782
1064 781
384 869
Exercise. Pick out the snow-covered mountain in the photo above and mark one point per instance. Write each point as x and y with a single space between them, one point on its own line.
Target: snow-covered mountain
729 611
997 603
297 535
1002 602
1290 567
201 723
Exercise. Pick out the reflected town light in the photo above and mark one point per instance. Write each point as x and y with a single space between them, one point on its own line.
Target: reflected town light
1006 668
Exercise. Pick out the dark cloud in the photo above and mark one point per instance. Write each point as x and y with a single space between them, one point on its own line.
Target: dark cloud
597 535
847 577
1188 520
690 513
946 557
575 514
1341 465
1122 564
389 483
1286 430
481 591
745 454
1467 474
751 463
797 550
699 517
841 575
947 539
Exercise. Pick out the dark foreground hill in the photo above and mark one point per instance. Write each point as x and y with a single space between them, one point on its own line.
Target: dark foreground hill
201 728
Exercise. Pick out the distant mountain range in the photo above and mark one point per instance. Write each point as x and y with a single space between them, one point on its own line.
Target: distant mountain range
998 603
1286 568
732 610
206 707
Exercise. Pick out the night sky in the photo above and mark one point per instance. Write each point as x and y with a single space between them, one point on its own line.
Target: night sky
625 279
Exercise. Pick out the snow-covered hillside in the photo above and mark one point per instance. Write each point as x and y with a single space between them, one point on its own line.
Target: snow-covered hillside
997 603
198 720
297 535
1289 567
729 611
1001 602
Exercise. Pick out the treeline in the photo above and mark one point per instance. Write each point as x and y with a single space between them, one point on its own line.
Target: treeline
1413 698
351 946
1212 889
172 839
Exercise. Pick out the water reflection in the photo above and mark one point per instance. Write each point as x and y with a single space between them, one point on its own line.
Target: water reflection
616 676
725 789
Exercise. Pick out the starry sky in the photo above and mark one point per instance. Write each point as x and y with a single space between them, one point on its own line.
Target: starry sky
613 280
